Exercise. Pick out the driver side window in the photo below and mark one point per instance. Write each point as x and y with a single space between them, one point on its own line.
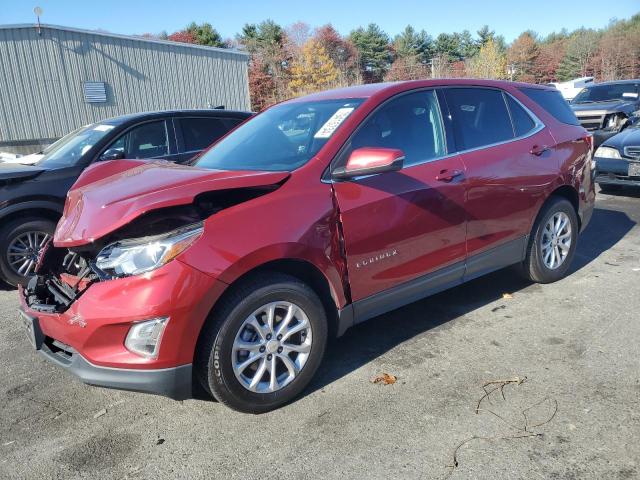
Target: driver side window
410 123
148 140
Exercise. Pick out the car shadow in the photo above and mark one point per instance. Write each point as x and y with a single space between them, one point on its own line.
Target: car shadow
605 229
368 341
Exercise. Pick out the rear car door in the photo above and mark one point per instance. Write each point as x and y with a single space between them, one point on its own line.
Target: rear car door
194 134
507 154
400 226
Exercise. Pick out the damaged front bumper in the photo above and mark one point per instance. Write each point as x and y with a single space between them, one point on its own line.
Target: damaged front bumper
80 324
173 382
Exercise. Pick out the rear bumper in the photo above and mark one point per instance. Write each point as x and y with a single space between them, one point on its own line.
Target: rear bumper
175 382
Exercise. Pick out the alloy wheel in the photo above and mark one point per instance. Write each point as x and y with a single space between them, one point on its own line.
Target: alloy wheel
271 347
23 251
556 240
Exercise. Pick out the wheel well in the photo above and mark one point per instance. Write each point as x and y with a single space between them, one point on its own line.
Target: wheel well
30 213
570 194
305 272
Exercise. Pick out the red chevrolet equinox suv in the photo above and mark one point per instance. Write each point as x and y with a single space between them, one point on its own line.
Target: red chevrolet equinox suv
317 214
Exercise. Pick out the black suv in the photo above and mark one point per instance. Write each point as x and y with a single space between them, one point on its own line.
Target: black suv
32 196
607 108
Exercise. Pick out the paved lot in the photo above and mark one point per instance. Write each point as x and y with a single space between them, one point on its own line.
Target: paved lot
577 342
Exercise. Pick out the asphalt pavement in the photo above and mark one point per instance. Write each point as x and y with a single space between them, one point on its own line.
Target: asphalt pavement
562 363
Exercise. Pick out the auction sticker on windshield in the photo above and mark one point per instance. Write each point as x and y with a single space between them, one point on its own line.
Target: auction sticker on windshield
334 122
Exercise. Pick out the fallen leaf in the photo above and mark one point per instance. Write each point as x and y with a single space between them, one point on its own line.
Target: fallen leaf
507 295
385 378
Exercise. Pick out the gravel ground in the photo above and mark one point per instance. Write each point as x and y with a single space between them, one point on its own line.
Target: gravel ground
577 342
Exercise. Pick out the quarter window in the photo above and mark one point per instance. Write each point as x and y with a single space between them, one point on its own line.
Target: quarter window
411 123
553 102
479 117
522 122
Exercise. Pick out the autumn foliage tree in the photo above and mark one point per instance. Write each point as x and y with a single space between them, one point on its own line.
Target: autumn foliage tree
550 53
314 70
581 48
267 44
490 62
618 54
261 85
202 34
343 53
289 61
182 36
522 55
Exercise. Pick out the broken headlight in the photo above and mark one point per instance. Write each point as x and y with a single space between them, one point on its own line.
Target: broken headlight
615 121
140 255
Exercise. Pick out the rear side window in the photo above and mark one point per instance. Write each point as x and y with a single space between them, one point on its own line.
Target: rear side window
522 122
480 117
199 133
553 102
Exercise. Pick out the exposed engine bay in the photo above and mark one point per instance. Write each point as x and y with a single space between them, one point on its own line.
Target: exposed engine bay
64 274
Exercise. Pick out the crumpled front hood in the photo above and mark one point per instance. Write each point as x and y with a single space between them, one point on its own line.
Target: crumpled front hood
109 195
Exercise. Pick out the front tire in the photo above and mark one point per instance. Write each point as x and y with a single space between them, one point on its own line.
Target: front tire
263 344
20 244
552 243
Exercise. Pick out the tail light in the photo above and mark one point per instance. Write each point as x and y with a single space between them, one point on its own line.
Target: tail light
588 138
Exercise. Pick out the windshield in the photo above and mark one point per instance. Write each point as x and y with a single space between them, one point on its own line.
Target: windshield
69 149
607 93
282 138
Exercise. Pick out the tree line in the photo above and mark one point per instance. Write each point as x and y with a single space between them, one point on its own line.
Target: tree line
298 59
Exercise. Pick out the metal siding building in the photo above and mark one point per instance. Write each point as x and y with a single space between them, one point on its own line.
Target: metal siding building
43 76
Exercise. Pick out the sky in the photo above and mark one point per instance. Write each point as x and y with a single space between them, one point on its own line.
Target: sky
507 18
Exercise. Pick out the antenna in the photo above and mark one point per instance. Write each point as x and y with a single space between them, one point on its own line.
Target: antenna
38 13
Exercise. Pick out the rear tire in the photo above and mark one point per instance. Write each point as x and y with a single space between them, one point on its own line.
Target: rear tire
220 360
552 243
17 236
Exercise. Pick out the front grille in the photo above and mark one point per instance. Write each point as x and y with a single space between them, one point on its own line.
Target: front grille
632 152
61 350
591 122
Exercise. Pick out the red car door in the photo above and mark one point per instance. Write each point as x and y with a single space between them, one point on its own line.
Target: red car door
509 164
401 226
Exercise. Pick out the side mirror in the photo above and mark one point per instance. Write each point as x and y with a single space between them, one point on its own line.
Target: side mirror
112 154
367 161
